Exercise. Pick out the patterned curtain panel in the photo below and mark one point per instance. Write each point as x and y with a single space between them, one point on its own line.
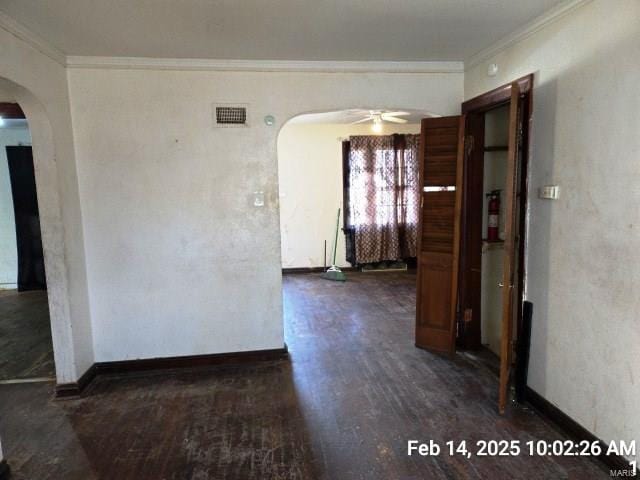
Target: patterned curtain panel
383 197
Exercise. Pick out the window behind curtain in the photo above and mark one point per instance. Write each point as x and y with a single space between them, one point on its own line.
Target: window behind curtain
381 197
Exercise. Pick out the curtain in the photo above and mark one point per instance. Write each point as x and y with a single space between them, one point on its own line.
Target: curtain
381 197
349 233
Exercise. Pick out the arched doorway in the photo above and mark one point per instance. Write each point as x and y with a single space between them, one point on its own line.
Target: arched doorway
316 177
52 231
26 350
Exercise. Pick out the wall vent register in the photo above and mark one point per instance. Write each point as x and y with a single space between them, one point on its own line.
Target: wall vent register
227 115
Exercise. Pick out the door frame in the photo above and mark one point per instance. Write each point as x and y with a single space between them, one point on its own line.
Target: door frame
470 330
66 328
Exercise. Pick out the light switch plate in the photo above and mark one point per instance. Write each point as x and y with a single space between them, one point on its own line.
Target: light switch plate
549 192
258 199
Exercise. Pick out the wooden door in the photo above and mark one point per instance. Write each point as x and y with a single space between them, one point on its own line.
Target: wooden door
441 153
510 244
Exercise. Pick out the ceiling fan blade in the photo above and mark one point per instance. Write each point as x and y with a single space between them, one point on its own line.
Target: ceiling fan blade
396 114
394 120
362 120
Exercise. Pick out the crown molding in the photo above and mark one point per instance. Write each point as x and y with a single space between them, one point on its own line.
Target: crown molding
524 32
146 63
34 40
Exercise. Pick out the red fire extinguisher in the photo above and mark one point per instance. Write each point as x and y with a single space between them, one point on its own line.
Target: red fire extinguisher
494 216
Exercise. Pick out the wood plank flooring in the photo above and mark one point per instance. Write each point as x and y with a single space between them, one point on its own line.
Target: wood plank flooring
355 391
26 350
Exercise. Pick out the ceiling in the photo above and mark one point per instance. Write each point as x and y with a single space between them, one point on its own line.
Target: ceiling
346 117
354 30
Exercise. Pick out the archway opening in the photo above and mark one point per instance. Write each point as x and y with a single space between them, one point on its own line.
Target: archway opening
46 171
362 163
26 346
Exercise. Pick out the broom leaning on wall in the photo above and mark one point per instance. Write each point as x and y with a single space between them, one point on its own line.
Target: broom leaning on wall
333 272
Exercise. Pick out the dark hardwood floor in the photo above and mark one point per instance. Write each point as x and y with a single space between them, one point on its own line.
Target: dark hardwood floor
355 391
26 350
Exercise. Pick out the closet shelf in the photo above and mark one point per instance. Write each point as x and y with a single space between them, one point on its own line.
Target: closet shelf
492 245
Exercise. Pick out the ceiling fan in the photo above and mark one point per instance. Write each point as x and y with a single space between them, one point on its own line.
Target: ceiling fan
378 117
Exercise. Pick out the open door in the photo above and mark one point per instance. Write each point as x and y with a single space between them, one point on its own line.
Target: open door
510 243
441 165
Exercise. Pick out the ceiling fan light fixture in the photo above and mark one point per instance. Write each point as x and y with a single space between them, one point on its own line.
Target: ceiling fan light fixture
377 124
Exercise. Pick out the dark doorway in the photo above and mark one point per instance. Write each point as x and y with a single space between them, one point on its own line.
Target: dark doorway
31 273
26 348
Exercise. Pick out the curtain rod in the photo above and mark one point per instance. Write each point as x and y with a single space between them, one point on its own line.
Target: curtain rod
343 139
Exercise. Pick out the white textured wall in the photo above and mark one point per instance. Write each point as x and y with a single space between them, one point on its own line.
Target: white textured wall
179 261
310 181
583 262
39 84
8 247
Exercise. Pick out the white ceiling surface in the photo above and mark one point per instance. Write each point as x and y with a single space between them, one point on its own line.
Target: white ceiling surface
339 30
346 117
